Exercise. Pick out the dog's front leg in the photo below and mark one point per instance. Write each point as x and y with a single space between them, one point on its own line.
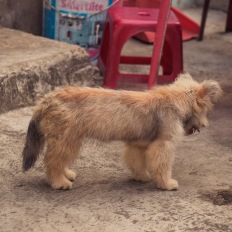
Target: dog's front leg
134 157
159 159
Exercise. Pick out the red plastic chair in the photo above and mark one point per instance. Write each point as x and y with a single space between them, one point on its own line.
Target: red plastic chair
124 22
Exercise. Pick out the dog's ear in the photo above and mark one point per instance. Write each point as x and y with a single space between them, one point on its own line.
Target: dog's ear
210 91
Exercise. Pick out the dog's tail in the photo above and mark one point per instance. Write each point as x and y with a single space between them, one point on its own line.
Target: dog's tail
33 145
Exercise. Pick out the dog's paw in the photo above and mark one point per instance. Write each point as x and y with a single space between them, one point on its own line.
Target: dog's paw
71 175
61 183
171 184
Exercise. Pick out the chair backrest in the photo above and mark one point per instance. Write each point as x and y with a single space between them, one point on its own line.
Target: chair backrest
164 11
148 3
142 3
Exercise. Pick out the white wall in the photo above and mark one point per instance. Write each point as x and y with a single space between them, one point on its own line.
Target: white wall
181 4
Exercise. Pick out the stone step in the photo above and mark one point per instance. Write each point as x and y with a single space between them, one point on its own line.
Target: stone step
31 66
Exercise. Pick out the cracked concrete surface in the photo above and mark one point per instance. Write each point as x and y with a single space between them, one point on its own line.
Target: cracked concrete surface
104 198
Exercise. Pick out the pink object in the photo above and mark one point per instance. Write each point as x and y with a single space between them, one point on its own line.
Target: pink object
190 29
124 22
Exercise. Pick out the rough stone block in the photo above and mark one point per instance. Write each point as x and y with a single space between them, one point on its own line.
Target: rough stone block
31 66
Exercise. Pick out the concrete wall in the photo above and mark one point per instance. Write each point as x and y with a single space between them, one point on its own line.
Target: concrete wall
25 15
214 4
181 4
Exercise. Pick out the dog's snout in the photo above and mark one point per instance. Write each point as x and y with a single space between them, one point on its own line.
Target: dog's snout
204 123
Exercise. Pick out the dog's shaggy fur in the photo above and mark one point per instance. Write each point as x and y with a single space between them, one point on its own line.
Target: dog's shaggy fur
150 123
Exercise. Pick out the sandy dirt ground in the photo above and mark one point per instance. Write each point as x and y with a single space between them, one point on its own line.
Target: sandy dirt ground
104 198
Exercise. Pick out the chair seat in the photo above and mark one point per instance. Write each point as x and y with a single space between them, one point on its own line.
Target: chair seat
139 16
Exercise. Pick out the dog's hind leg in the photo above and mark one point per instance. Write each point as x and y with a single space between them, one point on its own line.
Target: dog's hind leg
59 155
134 157
160 158
71 155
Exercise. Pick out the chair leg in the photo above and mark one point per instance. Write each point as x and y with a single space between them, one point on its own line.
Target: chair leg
166 60
172 59
203 19
229 17
113 61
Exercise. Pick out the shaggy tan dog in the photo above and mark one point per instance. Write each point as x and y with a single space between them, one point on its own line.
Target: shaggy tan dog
150 123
